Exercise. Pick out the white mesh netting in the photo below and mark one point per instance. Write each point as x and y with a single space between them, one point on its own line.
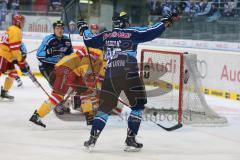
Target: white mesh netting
161 74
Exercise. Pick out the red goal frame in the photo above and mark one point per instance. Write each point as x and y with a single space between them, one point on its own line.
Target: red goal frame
181 75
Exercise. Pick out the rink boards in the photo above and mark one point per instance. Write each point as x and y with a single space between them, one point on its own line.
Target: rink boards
218 62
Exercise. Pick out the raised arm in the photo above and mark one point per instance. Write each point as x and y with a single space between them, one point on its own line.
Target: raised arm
144 34
90 40
94 41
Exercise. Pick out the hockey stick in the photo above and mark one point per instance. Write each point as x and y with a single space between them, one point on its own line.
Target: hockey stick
32 51
69 93
174 127
34 79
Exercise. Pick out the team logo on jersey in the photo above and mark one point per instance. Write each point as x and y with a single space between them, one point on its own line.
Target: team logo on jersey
117 35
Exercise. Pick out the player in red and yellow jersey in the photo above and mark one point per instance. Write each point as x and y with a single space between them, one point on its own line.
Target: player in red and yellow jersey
10 51
73 71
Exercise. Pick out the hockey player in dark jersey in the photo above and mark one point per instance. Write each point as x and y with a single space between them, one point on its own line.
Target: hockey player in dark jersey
53 48
120 47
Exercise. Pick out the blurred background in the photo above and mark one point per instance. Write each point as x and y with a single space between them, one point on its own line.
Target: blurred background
211 20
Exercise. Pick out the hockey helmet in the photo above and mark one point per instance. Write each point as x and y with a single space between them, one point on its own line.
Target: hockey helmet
121 19
18 20
94 26
58 23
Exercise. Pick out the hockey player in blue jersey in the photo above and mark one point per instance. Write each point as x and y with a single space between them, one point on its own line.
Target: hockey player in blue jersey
53 48
120 47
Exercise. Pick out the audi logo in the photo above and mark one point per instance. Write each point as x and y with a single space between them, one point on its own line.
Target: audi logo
202 68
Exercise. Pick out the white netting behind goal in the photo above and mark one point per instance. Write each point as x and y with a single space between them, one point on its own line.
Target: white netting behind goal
163 73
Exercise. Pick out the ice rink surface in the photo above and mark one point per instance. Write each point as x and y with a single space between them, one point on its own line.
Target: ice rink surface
19 140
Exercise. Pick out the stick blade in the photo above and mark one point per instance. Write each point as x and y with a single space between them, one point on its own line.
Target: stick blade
175 127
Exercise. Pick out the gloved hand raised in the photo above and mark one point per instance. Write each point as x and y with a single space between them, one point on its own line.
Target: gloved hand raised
169 18
82 26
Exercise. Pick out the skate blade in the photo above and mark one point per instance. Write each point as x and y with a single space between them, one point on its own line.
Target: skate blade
6 99
33 126
131 149
37 124
89 148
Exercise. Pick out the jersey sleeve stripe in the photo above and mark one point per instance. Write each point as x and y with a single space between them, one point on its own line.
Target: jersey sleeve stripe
15 43
15 46
14 49
145 30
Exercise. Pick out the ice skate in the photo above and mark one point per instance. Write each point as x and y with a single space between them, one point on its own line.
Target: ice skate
5 95
131 144
19 82
37 120
92 141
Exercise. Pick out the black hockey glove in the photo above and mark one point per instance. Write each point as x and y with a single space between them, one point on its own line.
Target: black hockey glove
25 69
169 18
82 26
50 51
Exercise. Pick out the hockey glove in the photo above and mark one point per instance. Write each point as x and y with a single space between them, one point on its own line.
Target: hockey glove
82 26
169 19
24 67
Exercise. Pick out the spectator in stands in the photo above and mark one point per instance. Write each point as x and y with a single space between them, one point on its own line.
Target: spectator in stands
72 28
214 13
192 7
202 5
206 10
15 4
151 6
40 5
56 5
3 12
229 8
167 7
158 10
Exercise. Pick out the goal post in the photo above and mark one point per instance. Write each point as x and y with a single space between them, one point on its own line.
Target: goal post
173 87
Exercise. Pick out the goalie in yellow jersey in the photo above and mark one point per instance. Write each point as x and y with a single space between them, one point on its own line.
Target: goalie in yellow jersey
10 51
74 71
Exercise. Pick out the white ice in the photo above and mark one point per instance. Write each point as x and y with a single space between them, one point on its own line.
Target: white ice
19 140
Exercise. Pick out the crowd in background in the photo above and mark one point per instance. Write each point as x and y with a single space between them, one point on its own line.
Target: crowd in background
12 7
213 9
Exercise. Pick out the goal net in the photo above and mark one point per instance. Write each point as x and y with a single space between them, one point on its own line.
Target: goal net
174 86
